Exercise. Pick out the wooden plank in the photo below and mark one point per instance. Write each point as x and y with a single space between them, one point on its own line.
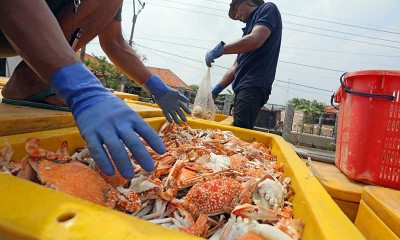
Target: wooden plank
20 119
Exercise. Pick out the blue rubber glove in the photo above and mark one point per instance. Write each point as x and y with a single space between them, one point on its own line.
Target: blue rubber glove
216 91
217 52
104 119
169 100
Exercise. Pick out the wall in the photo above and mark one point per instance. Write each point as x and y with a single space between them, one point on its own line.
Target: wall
310 140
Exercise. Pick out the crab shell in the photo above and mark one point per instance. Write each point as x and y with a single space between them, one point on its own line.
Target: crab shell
243 165
115 180
76 179
213 196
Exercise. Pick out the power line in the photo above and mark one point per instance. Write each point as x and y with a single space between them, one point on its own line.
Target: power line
339 23
334 51
187 10
305 65
301 85
289 28
328 21
289 47
180 63
305 91
282 61
155 52
223 67
319 34
353 34
195 60
346 59
180 44
288 14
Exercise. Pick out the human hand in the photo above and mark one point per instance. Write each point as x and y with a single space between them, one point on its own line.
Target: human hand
169 100
217 52
104 119
216 91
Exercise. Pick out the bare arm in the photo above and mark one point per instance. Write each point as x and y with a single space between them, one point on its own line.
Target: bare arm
34 33
121 54
227 79
250 42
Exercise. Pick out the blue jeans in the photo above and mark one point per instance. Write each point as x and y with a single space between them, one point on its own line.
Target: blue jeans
248 102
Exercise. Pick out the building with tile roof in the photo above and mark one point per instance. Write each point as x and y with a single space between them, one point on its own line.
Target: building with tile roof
170 78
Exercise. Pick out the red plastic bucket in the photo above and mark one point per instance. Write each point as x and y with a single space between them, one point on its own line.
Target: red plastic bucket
368 129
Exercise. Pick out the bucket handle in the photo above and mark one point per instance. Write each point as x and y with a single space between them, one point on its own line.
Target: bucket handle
333 105
348 90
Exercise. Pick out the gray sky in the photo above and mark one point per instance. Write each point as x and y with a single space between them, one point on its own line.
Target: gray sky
364 34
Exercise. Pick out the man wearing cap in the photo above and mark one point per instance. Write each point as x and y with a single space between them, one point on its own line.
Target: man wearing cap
253 71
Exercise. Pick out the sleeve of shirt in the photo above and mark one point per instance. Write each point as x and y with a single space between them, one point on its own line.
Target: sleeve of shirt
117 16
268 16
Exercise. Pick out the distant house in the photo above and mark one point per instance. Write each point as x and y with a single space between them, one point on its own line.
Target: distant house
170 78
329 115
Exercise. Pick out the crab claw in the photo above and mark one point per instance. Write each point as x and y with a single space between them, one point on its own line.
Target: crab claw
266 231
255 212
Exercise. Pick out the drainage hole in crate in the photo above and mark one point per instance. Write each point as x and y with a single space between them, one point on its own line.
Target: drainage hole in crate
63 217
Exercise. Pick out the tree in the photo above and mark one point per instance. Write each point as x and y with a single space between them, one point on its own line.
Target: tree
195 87
310 109
110 75
107 73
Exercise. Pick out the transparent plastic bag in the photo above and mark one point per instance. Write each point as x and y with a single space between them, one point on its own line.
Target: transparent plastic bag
204 106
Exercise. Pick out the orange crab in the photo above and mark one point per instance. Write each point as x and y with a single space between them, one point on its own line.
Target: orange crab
57 170
243 165
213 197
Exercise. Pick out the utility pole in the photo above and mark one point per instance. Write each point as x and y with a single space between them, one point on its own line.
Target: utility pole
83 53
287 91
135 15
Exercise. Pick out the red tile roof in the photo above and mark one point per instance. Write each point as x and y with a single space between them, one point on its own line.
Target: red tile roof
169 77
330 110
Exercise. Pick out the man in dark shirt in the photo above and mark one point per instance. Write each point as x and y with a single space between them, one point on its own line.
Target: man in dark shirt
253 71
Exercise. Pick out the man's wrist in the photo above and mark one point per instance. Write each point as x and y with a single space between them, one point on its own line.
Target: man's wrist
78 86
155 86
220 49
217 89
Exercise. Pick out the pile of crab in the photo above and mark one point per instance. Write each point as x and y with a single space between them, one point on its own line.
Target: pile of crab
209 183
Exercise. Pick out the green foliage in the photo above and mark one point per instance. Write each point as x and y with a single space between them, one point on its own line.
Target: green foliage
109 75
106 72
311 109
195 87
331 146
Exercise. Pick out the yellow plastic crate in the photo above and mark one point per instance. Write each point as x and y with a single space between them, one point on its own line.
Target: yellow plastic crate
371 225
3 81
32 210
384 203
220 117
18 119
142 103
124 95
344 191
